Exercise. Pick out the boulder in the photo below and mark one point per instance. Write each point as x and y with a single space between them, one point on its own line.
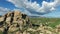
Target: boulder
1 19
13 22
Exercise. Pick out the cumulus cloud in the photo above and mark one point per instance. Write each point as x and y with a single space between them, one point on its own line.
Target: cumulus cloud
3 10
34 7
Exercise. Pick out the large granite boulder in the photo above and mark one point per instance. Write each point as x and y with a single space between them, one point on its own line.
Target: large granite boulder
13 22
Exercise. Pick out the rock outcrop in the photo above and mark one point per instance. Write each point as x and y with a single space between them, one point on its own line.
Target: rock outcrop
14 23
18 23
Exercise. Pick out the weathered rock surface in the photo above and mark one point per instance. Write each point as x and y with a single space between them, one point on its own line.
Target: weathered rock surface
13 22
18 23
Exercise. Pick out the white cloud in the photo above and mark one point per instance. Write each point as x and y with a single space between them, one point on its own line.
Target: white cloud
3 10
35 7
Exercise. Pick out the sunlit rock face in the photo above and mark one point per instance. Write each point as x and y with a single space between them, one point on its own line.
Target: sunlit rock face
18 23
13 22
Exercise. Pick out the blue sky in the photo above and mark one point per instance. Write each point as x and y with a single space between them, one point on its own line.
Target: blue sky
46 8
5 4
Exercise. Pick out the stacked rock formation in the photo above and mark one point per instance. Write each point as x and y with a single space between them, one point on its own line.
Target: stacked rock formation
13 23
18 23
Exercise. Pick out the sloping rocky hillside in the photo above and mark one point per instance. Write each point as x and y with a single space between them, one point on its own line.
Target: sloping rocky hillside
18 23
14 23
